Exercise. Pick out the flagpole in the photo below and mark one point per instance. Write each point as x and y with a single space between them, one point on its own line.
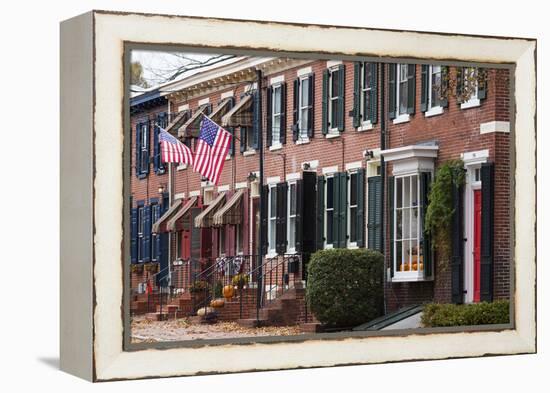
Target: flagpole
262 196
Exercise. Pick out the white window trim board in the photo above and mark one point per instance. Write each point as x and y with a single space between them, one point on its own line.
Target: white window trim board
224 187
475 157
194 193
253 86
204 101
312 164
304 71
275 146
277 79
227 94
273 180
471 103
247 153
292 177
181 167
183 107
241 185
333 133
365 126
329 170
354 165
494 126
434 111
403 118
179 195
302 141
333 63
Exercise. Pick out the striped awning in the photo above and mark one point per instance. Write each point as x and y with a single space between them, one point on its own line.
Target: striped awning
231 212
192 126
160 225
221 110
180 119
172 225
204 219
240 115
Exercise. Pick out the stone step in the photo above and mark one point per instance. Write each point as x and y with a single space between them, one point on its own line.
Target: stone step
253 322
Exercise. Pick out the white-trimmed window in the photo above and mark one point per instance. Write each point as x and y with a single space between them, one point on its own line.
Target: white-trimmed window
155 212
221 241
408 258
470 86
329 211
352 208
291 221
367 82
402 93
239 238
276 112
141 227
303 108
434 87
144 147
334 91
272 219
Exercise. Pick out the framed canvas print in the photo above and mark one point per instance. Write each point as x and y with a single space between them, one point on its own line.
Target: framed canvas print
247 195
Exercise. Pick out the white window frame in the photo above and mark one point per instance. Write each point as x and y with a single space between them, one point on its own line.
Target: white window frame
272 246
141 227
222 252
302 133
144 131
239 248
350 244
332 131
400 117
326 244
365 89
275 138
410 275
433 110
291 250
473 101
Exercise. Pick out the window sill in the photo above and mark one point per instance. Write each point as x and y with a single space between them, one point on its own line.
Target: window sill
402 118
471 103
249 153
275 147
228 157
332 134
302 141
181 167
329 246
271 254
409 277
366 126
436 110
352 246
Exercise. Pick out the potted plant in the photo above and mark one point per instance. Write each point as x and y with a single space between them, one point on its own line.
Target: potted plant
136 268
152 267
240 280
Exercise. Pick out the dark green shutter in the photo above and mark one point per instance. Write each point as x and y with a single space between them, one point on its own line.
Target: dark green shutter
269 115
459 84
487 215
311 106
295 109
392 99
340 209
325 99
444 94
282 197
425 179
133 235
357 67
391 213
308 212
482 87
411 88
138 150
373 110
374 213
320 212
424 86
282 134
360 222
264 218
340 122
256 119
457 248
298 236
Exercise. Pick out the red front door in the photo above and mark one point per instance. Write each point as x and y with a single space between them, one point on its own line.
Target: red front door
477 244
185 245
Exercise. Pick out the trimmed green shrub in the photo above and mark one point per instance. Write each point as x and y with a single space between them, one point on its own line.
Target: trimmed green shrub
345 287
437 315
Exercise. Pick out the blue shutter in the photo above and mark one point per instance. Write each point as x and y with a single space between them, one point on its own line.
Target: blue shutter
133 235
146 233
138 150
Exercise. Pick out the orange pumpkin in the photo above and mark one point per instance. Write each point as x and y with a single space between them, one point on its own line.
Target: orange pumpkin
217 303
228 291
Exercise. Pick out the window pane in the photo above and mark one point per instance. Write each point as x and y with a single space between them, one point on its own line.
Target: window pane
273 208
398 256
276 128
292 232
304 97
277 99
414 256
414 223
436 84
333 114
398 192
292 203
303 121
406 223
403 88
330 201
406 192
353 189
398 225
353 224
329 226
414 190
334 83
406 254
272 229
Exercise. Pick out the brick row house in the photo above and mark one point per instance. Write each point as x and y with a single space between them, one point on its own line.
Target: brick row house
350 149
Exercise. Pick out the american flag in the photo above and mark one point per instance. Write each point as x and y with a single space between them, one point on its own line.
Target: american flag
173 150
212 147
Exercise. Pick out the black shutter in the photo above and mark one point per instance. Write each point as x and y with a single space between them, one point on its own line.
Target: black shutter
373 110
340 122
256 119
243 139
325 99
411 88
374 211
133 235
487 214
357 67
269 115
360 222
311 106
138 150
459 84
320 212
307 212
391 212
424 86
147 234
457 248
264 218
482 85
425 179
282 197
340 209
295 109
444 94
392 99
282 133
298 236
